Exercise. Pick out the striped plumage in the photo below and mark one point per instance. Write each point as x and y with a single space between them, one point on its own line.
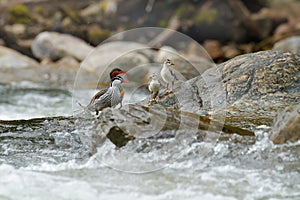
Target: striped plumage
113 73
111 98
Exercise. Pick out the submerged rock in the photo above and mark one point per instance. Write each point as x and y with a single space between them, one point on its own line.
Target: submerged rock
286 125
54 46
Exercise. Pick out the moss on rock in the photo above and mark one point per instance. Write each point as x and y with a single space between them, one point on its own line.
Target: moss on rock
95 34
19 14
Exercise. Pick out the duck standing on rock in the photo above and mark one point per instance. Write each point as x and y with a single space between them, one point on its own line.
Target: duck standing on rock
167 74
112 97
154 87
113 73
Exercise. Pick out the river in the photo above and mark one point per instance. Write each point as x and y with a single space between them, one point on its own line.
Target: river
52 164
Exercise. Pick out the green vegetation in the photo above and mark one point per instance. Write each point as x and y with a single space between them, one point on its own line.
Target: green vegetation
19 14
206 16
72 14
182 11
39 10
103 5
163 23
96 34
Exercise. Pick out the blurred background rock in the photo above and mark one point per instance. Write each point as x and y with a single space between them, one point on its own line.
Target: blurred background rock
226 27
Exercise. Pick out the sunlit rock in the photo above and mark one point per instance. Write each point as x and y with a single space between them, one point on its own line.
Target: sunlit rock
10 58
52 45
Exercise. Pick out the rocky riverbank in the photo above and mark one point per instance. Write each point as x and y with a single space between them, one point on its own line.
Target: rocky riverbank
235 96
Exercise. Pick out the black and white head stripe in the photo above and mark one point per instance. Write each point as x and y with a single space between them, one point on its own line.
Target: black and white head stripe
119 78
168 62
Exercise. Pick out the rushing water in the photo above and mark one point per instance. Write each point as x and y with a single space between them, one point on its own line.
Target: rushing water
55 163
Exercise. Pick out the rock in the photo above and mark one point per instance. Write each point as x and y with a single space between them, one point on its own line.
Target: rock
167 52
122 54
213 47
269 19
95 34
92 10
230 51
260 84
286 125
62 73
52 45
220 20
15 29
69 62
291 44
120 126
283 31
191 67
12 59
256 84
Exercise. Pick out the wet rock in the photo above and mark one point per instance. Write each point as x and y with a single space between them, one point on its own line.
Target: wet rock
257 84
135 121
52 45
291 44
286 125
12 59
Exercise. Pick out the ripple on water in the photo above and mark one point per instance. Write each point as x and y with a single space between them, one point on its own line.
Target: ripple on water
47 161
28 100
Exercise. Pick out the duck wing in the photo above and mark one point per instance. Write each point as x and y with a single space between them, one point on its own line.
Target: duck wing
97 96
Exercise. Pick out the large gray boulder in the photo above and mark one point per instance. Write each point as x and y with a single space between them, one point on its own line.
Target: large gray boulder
256 84
53 46
10 58
130 56
260 84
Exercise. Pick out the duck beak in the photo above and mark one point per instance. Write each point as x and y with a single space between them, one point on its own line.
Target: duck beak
125 81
